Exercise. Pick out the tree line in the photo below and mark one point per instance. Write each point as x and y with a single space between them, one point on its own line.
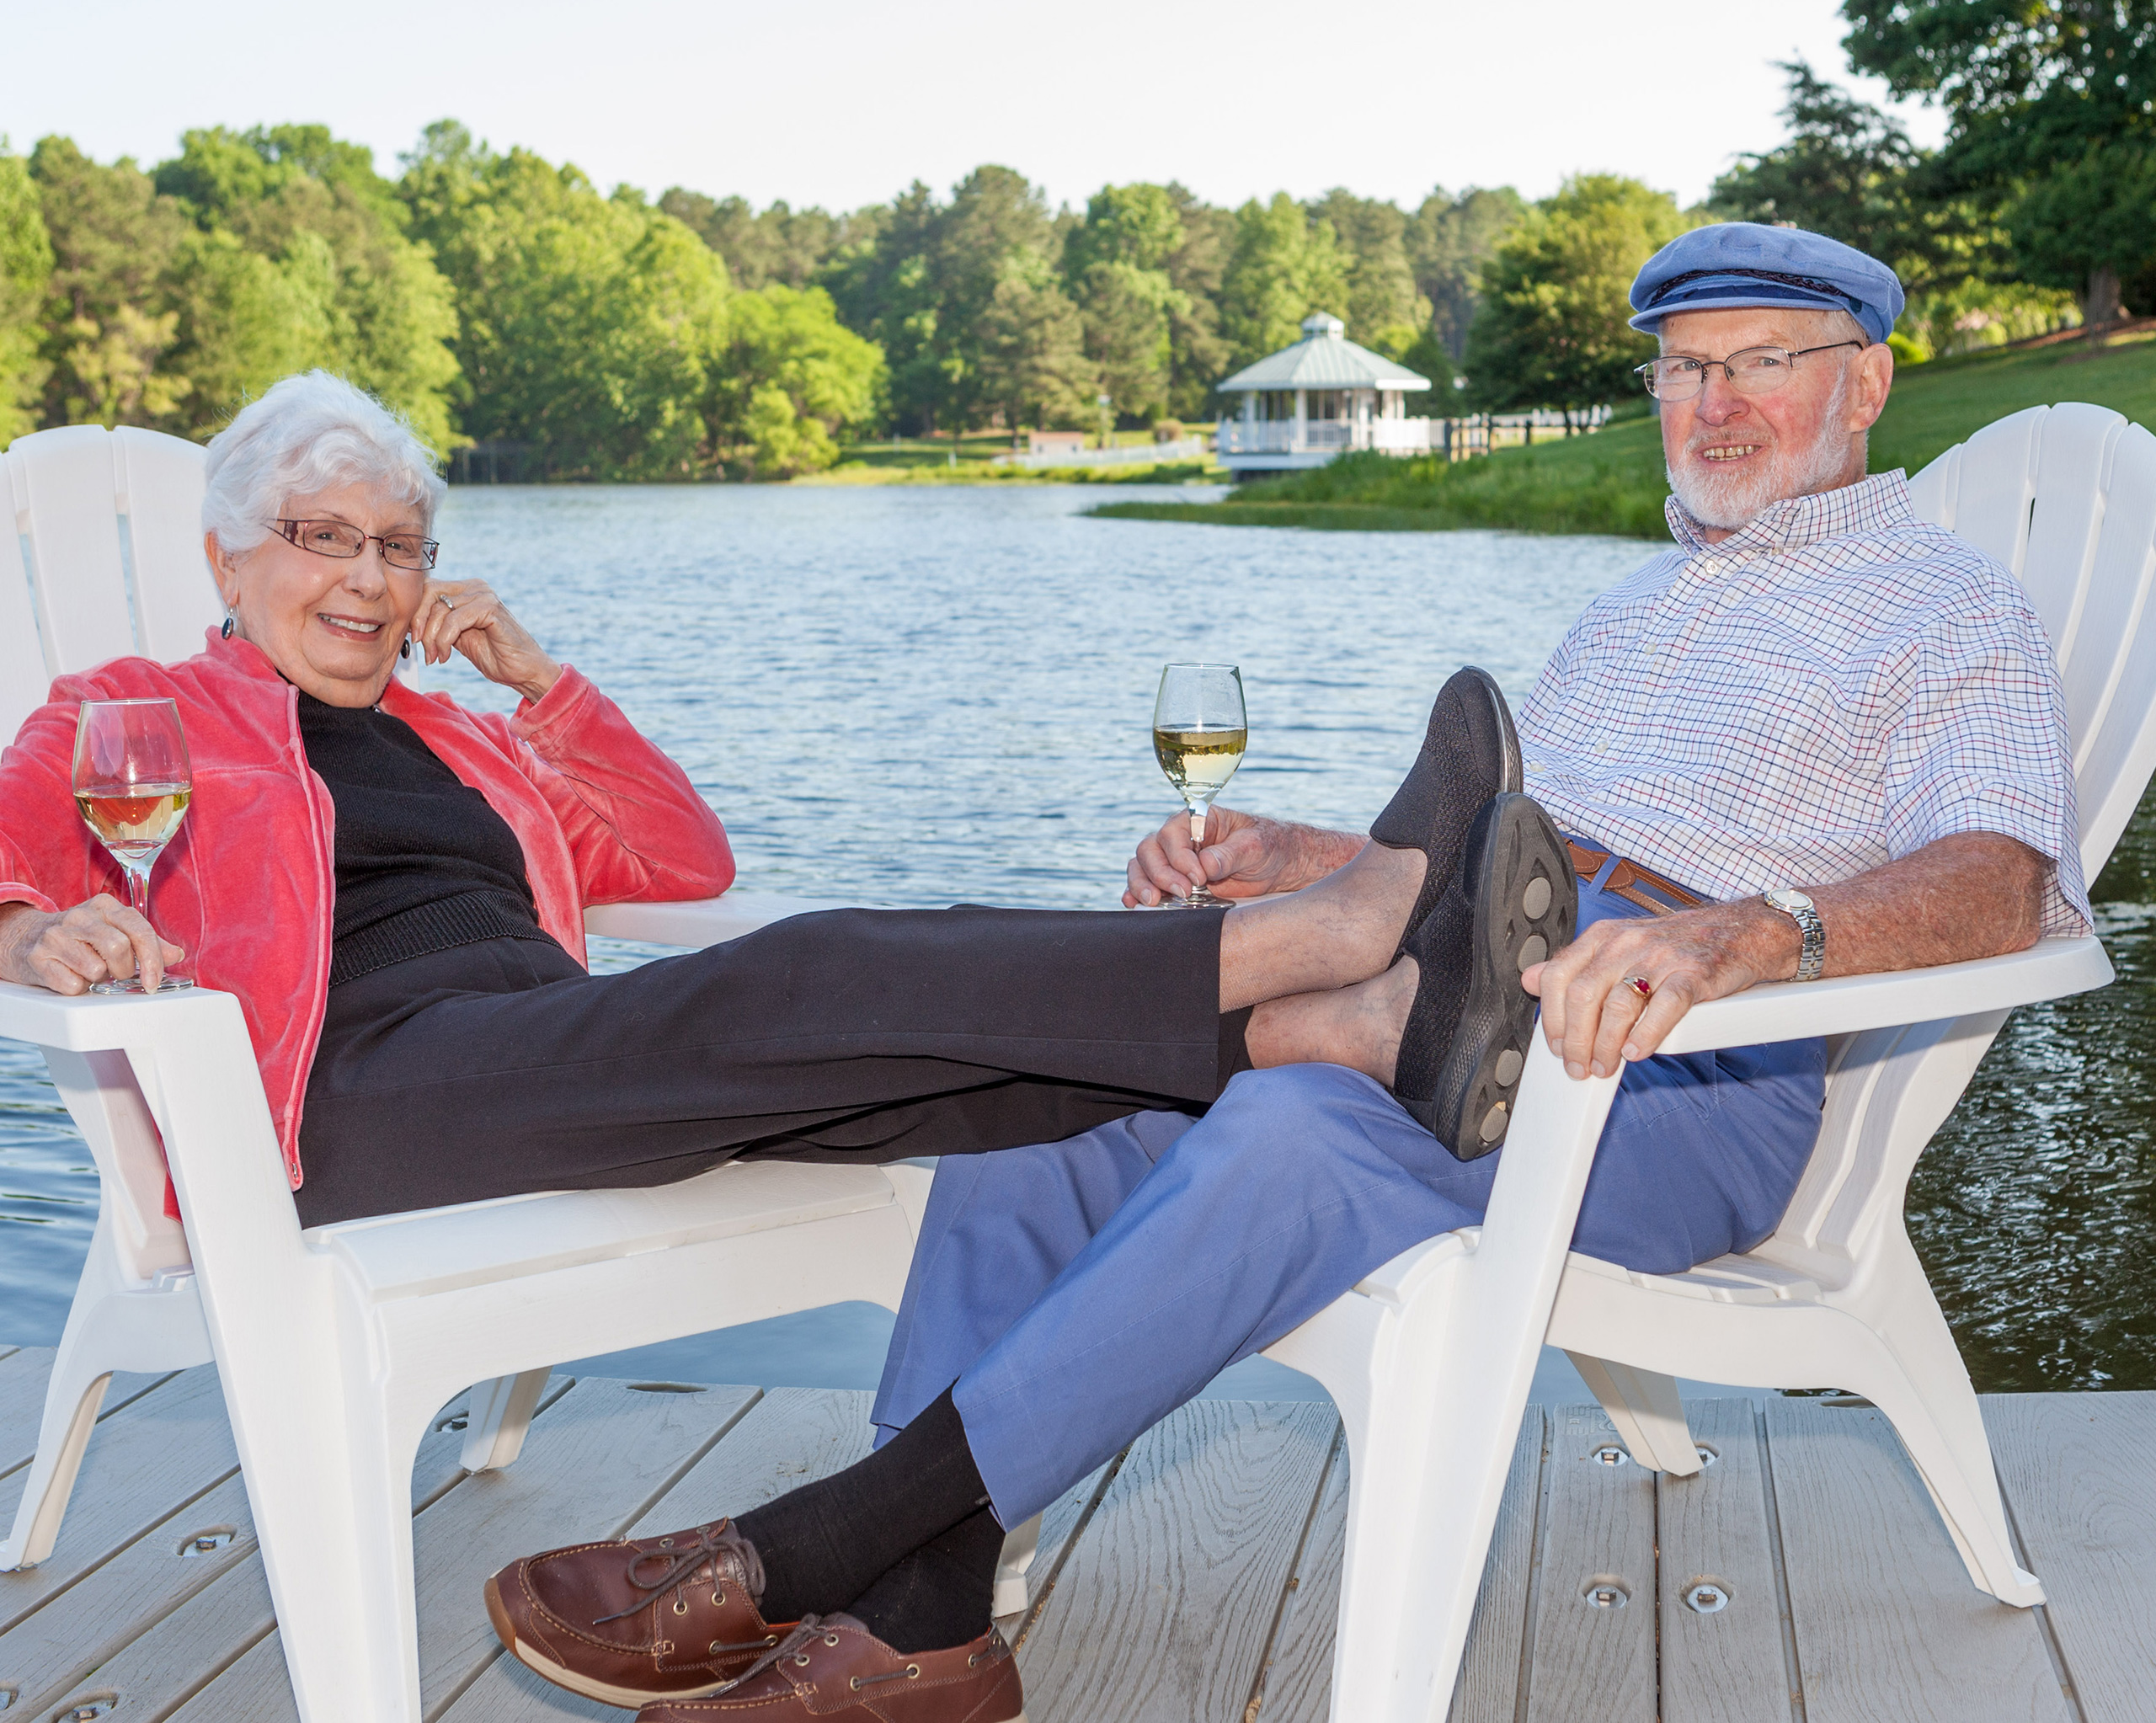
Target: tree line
497 297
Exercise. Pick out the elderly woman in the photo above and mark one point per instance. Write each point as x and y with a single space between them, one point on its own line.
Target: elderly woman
393 887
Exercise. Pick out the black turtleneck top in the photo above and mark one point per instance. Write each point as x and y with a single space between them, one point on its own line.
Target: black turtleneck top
424 861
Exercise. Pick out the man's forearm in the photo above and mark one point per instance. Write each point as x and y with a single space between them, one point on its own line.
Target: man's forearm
1319 850
1976 894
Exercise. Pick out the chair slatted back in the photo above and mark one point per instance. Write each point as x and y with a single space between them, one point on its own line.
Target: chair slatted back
2065 497
105 559
102 556
24 671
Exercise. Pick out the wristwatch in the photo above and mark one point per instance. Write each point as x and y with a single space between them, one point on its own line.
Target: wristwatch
1798 907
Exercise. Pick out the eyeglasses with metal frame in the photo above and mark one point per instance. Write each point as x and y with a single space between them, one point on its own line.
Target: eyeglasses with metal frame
1753 370
341 540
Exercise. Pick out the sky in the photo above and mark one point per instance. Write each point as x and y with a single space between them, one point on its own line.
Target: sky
842 102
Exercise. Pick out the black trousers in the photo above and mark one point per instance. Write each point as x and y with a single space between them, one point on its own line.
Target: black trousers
500 1068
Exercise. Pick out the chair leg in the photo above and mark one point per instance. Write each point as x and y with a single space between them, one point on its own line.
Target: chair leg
1913 1372
1411 1571
72 1400
331 1496
1021 1544
1647 1410
112 1325
500 1415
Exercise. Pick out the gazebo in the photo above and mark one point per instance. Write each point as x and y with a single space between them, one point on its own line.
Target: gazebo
1308 403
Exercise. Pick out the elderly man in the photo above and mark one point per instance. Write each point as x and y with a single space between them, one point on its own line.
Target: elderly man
1816 737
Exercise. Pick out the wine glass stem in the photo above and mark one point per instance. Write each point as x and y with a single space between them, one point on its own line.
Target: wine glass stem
138 888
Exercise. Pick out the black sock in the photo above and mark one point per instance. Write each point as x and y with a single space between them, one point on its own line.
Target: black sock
941 1595
825 1544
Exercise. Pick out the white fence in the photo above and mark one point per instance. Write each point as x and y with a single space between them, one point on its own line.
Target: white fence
1189 449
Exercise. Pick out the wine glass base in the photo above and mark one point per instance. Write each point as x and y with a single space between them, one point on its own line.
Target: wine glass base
1203 899
170 984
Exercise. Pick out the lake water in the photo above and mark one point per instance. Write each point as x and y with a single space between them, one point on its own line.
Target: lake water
919 696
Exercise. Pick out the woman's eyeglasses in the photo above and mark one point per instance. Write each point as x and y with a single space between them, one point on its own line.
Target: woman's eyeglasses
1757 370
343 541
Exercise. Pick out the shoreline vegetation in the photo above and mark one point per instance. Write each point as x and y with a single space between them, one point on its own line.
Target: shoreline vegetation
1612 481
979 458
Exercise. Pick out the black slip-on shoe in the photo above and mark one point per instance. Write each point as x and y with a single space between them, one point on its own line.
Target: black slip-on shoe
1471 752
1514 901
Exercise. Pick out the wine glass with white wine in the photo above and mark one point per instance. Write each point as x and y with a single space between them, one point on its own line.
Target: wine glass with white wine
132 782
1200 729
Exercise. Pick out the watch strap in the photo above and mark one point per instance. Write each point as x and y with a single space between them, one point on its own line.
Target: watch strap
1812 953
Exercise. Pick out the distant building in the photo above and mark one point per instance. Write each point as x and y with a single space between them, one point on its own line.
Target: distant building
1041 442
1310 402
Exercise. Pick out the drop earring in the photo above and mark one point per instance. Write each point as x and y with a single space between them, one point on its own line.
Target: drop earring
226 632
404 647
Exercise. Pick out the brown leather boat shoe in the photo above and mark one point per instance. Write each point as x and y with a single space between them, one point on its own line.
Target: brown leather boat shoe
833 1669
630 1621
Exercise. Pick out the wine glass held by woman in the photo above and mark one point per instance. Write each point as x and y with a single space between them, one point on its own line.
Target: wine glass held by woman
332 624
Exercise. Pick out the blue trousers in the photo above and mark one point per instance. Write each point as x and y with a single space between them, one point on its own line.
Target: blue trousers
1077 1291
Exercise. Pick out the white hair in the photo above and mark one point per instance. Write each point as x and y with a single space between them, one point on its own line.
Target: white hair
309 433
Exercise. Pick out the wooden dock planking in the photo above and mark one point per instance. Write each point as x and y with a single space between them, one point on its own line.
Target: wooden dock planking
1732 1665
2075 1467
1888 1628
1590 1660
1195 1576
1182 1569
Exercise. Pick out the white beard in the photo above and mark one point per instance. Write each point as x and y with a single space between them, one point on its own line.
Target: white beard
1730 499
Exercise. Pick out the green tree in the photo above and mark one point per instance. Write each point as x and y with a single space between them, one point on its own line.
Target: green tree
109 320
1448 241
2090 227
1198 353
1383 309
1032 367
789 379
2047 101
25 273
588 324
935 284
1284 267
1849 171
1552 331
789 245
300 258
1115 262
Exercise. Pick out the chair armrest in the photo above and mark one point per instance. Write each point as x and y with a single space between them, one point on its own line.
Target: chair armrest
1789 1010
92 1023
700 921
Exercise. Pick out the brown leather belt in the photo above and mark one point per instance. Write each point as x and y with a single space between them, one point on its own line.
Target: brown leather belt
1634 883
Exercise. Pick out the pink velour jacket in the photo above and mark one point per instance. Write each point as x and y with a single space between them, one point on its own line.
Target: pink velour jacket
249 883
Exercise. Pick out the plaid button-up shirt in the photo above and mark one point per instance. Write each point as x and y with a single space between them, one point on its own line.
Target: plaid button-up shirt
1834 686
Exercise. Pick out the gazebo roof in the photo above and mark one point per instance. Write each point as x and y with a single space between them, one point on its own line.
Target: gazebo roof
1324 359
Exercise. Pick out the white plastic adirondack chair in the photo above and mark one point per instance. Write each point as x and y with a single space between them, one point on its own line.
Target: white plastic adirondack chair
336 1345
1430 1358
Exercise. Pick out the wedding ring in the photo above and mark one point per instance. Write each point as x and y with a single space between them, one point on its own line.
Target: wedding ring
1641 985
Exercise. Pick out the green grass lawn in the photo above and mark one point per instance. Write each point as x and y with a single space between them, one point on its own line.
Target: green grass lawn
1612 481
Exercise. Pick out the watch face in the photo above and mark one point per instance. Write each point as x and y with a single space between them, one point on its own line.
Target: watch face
1784 898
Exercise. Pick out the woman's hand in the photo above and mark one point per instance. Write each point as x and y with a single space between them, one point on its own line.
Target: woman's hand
1244 855
102 940
468 616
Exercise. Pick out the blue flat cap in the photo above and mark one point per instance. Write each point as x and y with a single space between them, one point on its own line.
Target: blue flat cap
1744 266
